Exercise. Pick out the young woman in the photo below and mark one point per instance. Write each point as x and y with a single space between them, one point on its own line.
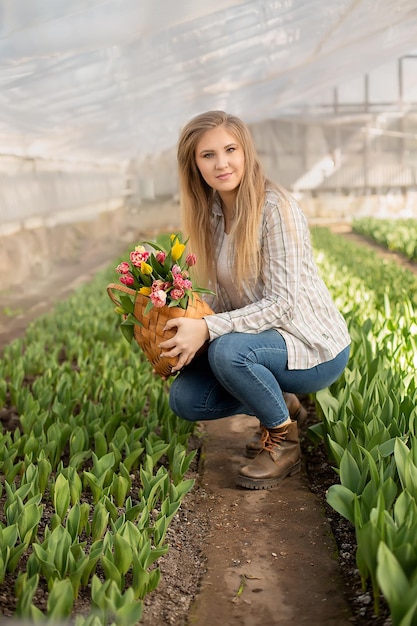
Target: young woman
275 329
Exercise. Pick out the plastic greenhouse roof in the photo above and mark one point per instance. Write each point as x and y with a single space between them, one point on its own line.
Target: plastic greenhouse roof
117 79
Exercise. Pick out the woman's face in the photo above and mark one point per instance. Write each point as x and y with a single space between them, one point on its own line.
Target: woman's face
220 159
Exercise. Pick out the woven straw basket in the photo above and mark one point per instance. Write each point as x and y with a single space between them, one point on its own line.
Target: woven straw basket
151 333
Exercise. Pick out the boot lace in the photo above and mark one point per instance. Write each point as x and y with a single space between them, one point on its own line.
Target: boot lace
272 438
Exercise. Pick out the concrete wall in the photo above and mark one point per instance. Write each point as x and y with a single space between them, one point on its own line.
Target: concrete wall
54 213
33 191
329 207
33 254
49 210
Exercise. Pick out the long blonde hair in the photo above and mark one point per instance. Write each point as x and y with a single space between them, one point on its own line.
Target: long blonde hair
196 198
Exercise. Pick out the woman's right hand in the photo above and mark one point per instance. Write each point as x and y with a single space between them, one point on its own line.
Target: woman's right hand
191 335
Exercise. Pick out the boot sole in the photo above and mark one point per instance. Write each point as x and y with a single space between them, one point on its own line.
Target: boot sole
266 483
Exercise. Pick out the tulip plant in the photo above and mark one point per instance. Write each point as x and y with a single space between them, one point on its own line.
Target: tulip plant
94 472
369 418
98 465
399 235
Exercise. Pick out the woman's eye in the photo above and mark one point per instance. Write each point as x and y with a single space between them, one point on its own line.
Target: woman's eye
207 155
231 149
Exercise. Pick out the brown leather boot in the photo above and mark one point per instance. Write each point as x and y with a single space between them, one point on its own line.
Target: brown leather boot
280 457
297 412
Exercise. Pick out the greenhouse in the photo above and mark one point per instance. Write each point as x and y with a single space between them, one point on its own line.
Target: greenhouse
113 508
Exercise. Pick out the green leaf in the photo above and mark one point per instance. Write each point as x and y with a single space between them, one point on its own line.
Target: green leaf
350 474
122 553
60 600
386 449
149 306
127 331
127 303
25 590
396 588
120 488
100 521
342 500
130 613
73 521
160 529
328 404
62 496
184 487
110 570
134 320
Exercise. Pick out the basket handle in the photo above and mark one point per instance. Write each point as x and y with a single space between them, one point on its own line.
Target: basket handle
117 287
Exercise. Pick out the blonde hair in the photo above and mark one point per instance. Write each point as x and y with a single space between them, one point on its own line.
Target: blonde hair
196 198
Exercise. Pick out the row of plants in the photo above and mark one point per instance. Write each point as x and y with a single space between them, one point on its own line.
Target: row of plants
398 235
369 418
93 471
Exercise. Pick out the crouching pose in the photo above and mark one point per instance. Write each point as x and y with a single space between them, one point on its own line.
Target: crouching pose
276 331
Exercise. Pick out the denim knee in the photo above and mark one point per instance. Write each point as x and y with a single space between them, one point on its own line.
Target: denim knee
181 401
221 353
181 408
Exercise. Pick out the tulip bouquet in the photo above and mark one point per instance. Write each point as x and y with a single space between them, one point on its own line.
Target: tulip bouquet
161 274
156 285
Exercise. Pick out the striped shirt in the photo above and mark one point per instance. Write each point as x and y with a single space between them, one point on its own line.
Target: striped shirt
288 295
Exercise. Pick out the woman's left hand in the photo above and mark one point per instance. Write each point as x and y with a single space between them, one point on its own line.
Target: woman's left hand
190 336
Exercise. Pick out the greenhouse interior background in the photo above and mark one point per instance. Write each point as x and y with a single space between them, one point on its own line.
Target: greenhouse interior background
104 490
94 93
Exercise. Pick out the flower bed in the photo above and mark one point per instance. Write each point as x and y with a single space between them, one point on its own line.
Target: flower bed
399 235
93 471
369 419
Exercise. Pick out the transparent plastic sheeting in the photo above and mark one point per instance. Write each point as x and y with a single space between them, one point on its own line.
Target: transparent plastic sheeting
116 79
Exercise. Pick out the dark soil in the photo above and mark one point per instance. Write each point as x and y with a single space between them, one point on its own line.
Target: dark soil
321 476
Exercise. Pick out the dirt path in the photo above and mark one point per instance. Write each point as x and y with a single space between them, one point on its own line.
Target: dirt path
271 555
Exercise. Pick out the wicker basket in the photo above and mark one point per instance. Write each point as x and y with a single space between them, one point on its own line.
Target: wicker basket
151 333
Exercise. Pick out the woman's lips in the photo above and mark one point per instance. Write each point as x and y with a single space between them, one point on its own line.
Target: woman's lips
224 176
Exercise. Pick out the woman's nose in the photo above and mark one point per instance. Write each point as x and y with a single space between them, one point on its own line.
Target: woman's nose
221 162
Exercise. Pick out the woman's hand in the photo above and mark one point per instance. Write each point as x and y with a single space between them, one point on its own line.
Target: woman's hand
190 336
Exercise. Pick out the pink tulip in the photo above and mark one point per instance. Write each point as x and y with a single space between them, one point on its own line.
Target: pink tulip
178 281
176 294
157 284
191 259
139 256
160 256
127 279
158 298
123 268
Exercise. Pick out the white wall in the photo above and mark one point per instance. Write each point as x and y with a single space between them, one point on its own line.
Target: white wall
35 191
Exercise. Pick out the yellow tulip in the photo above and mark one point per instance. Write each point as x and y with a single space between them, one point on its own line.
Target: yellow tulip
145 291
177 250
145 268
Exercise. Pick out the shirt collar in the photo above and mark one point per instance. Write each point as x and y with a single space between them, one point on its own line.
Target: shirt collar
217 207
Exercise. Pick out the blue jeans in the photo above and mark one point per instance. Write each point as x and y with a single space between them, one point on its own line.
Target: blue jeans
245 373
